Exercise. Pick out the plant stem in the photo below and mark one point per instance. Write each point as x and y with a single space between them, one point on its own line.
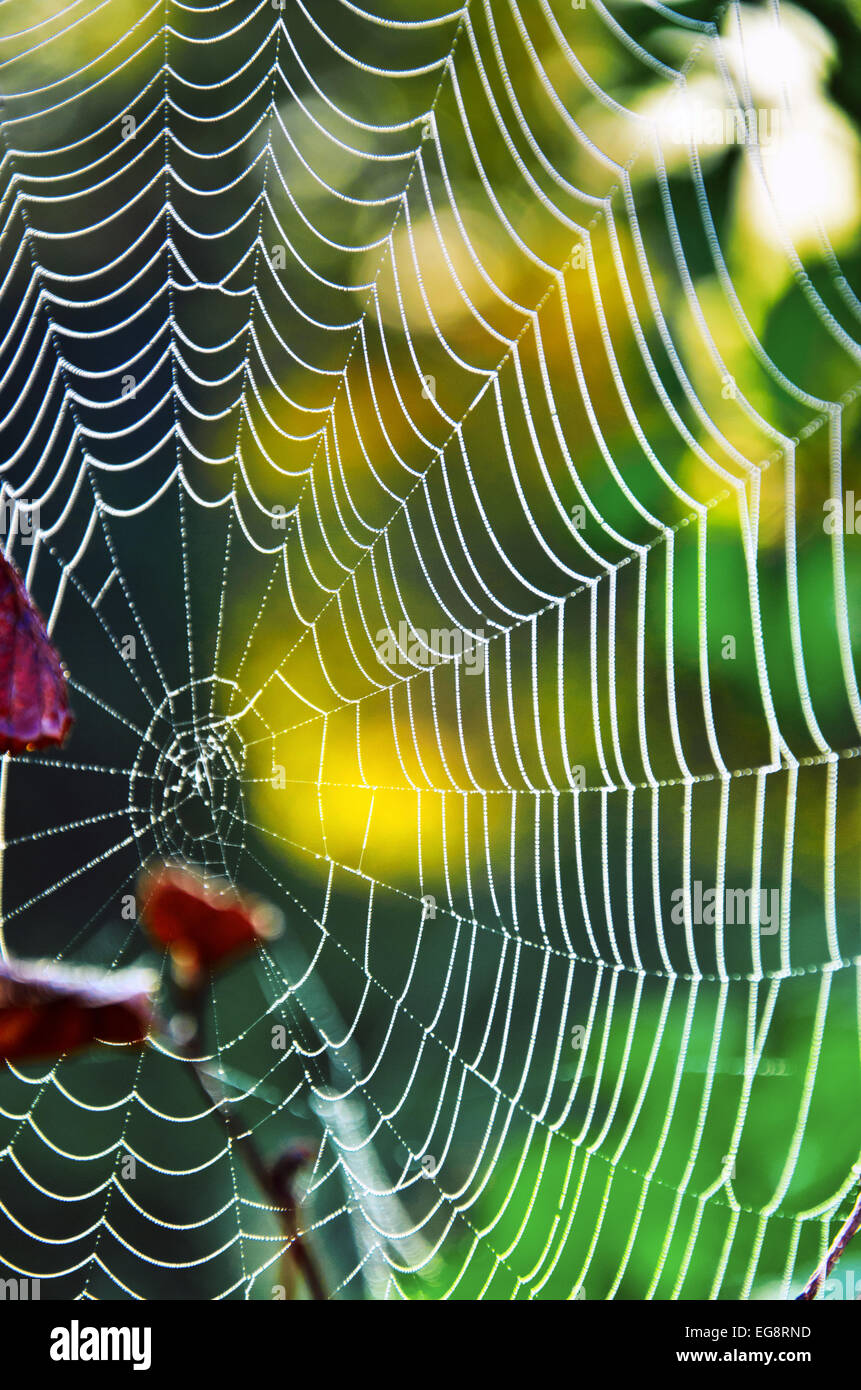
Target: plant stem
278 1189
838 1245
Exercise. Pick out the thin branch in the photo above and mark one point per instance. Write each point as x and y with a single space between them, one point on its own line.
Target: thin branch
838 1245
277 1181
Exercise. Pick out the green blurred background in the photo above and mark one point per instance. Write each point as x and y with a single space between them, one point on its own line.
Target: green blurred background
577 313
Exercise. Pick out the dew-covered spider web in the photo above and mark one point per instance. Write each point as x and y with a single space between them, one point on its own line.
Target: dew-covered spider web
428 435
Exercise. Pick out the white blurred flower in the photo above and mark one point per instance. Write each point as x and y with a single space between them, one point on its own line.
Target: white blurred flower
800 178
780 55
806 182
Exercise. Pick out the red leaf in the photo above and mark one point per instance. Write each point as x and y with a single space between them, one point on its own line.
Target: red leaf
203 923
34 710
47 1009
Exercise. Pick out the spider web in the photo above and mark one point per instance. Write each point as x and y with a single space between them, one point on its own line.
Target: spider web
432 524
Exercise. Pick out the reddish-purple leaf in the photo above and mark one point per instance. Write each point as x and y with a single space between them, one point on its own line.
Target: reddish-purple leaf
34 708
47 1009
202 923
